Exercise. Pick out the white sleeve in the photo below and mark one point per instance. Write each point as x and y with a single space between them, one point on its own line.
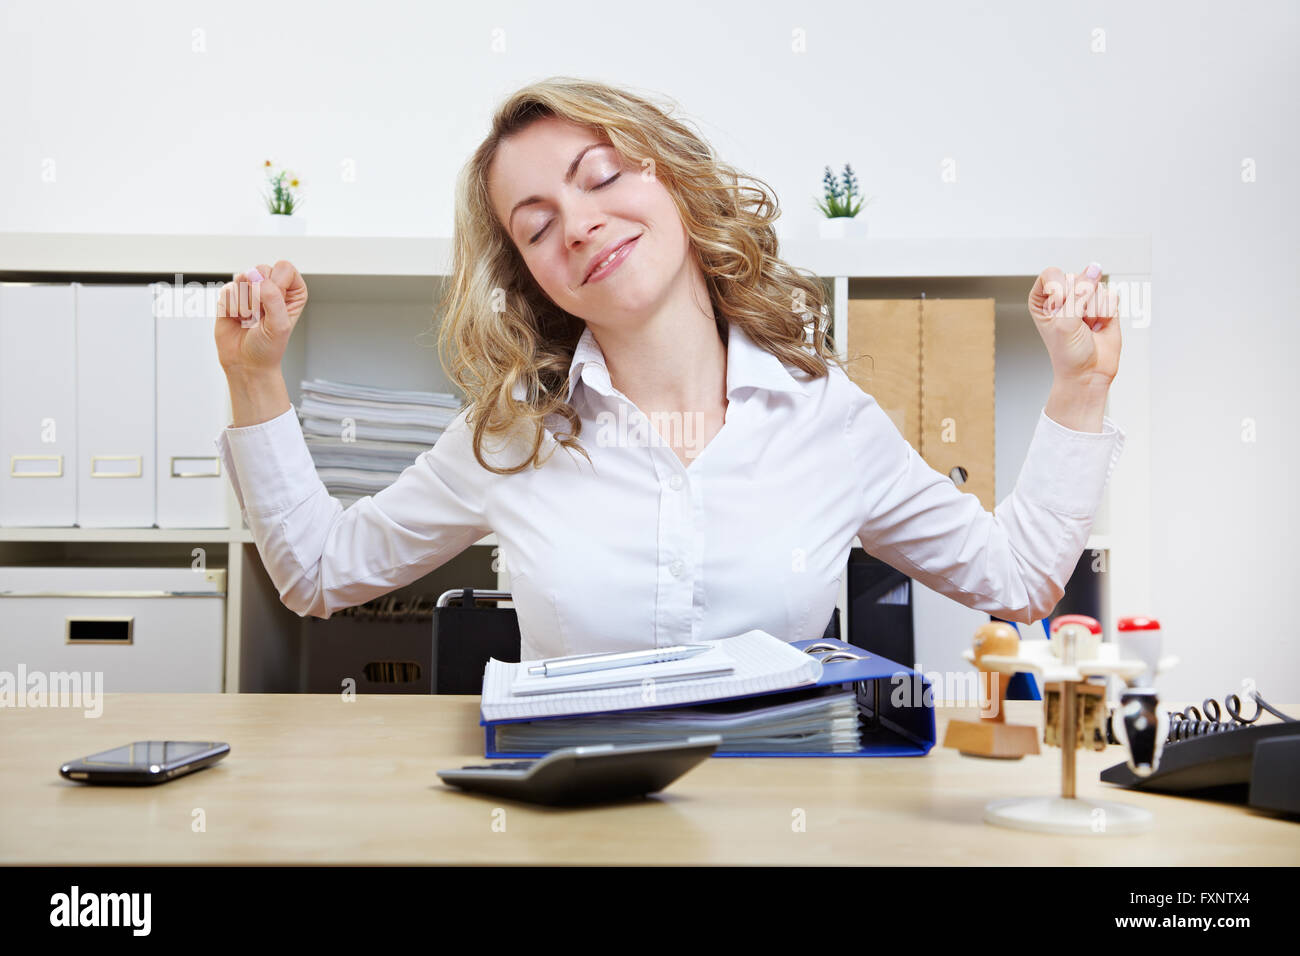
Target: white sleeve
1013 563
322 557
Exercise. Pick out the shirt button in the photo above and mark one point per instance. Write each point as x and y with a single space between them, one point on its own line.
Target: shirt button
676 569
675 482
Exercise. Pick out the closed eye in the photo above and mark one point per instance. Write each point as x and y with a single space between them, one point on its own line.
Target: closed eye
548 224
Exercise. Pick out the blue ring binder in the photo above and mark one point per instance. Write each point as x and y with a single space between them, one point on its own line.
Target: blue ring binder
890 726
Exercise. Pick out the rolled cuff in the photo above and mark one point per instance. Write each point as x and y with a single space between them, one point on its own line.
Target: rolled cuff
269 464
1065 470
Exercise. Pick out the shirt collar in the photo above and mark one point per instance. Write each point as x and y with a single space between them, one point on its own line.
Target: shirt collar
748 366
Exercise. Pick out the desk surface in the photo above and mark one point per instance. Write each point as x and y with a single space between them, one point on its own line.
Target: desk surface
314 779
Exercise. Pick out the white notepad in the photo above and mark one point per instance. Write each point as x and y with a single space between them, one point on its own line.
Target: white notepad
761 664
715 662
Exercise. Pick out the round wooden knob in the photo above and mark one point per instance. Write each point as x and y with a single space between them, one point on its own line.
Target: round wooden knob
998 638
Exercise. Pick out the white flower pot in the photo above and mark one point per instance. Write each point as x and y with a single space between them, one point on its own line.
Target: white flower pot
282 225
842 227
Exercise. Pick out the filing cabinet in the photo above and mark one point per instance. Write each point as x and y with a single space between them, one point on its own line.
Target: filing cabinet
140 628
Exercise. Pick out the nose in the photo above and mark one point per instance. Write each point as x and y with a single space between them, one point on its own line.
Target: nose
582 220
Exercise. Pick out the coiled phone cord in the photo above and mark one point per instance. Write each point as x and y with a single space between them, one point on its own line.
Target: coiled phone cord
1192 723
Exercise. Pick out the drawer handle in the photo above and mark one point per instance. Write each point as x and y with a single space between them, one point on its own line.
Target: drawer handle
208 467
121 470
100 630
17 470
114 594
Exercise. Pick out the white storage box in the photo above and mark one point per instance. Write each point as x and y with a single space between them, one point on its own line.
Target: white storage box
143 629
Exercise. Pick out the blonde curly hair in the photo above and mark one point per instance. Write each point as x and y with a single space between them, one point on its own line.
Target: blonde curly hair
499 328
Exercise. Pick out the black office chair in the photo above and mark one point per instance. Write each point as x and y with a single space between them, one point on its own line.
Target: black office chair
466 635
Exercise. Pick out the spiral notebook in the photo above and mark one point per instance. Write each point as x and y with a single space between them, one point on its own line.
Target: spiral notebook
715 662
758 663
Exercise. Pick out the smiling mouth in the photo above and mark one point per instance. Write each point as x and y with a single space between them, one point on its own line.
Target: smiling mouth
611 257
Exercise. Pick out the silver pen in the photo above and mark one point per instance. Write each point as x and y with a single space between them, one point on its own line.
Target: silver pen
599 662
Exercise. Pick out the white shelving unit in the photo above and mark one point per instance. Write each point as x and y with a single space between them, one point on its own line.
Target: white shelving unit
360 283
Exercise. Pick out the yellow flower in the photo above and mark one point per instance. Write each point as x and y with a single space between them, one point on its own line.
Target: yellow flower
293 182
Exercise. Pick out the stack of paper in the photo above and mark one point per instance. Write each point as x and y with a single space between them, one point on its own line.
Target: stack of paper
822 720
791 715
387 431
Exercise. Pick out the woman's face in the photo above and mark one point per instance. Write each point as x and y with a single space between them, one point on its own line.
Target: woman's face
562 217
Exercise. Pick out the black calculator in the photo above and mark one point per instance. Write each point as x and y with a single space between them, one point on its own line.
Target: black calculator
593 774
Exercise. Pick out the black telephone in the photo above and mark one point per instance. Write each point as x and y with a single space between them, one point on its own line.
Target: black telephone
1237 760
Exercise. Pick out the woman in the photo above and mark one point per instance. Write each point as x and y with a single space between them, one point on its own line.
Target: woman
610 275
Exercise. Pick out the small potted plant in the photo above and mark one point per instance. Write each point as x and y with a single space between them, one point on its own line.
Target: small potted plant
282 202
840 207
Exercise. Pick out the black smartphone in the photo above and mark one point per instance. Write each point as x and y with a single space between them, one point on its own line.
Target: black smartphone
145 762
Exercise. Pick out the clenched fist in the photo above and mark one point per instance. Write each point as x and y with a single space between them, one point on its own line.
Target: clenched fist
256 313
1078 318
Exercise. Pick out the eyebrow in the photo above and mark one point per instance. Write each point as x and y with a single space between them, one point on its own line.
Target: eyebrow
568 178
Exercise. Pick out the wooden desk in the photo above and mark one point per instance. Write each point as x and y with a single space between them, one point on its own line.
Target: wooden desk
312 779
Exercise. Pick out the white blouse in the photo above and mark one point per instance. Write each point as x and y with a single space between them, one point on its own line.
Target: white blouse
643 551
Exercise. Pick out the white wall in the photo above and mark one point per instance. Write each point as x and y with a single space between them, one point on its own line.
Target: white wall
1050 138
